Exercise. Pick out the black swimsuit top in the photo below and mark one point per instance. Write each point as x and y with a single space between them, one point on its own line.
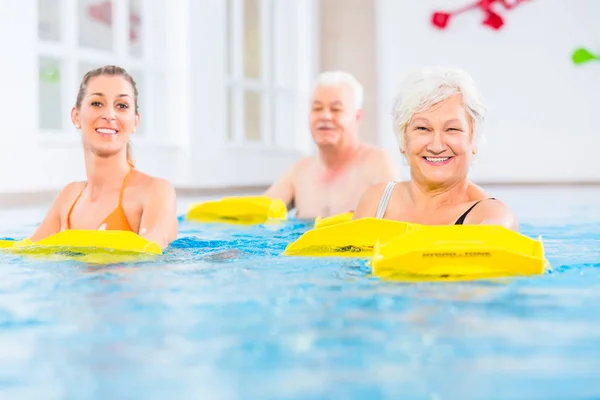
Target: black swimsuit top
461 219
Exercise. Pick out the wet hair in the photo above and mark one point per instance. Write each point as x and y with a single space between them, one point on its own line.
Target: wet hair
108 70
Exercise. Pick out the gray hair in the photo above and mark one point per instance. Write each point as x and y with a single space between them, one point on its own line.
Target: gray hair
429 86
338 78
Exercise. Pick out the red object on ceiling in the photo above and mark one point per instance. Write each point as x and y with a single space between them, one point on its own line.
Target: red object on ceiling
440 19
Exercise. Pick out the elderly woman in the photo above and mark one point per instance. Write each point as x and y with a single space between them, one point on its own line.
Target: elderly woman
437 118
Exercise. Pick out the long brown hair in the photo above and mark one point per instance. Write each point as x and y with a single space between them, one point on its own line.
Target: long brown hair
110 70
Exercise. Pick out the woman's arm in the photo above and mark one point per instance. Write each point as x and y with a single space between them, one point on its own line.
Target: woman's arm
159 215
493 212
51 223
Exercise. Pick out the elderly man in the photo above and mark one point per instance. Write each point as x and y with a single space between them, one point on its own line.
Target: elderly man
437 117
332 181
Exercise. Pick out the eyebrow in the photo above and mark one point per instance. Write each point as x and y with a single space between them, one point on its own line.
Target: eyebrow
417 120
455 120
102 94
337 102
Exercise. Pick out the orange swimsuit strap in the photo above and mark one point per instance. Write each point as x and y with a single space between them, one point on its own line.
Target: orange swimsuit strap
117 220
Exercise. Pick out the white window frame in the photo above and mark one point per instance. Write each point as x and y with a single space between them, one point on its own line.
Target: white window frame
268 85
70 54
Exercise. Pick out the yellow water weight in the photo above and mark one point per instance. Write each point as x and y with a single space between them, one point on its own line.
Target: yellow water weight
79 238
355 238
243 210
458 252
7 243
334 219
87 245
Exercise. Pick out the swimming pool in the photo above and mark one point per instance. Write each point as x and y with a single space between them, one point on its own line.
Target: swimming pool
224 317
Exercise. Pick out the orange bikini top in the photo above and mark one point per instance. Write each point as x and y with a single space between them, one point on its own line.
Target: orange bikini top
117 220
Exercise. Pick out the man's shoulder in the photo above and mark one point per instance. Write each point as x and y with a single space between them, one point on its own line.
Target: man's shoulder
372 152
298 171
378 161
310 159
303 164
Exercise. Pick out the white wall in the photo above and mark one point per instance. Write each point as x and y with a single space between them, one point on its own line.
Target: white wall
215 162
31 160
347 42
192 151
544 112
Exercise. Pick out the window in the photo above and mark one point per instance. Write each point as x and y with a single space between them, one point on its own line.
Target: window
261 72
76 36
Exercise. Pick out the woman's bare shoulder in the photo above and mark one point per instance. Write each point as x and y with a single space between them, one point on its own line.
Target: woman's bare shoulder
148 185
65 198
141 180
476 192
370 199
70 191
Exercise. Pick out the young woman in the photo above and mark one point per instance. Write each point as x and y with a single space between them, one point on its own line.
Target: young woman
116 196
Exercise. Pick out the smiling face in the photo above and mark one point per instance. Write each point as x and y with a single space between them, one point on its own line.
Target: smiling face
106 113
439 143
334 117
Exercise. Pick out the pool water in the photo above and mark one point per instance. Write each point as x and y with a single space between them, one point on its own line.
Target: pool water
223 316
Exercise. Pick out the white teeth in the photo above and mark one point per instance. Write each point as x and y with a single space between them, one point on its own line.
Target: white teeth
436 159
106 131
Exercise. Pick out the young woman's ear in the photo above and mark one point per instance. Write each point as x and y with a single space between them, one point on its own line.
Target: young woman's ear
137 122
75 118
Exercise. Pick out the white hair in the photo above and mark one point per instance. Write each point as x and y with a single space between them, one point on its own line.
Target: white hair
429 86
338 78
